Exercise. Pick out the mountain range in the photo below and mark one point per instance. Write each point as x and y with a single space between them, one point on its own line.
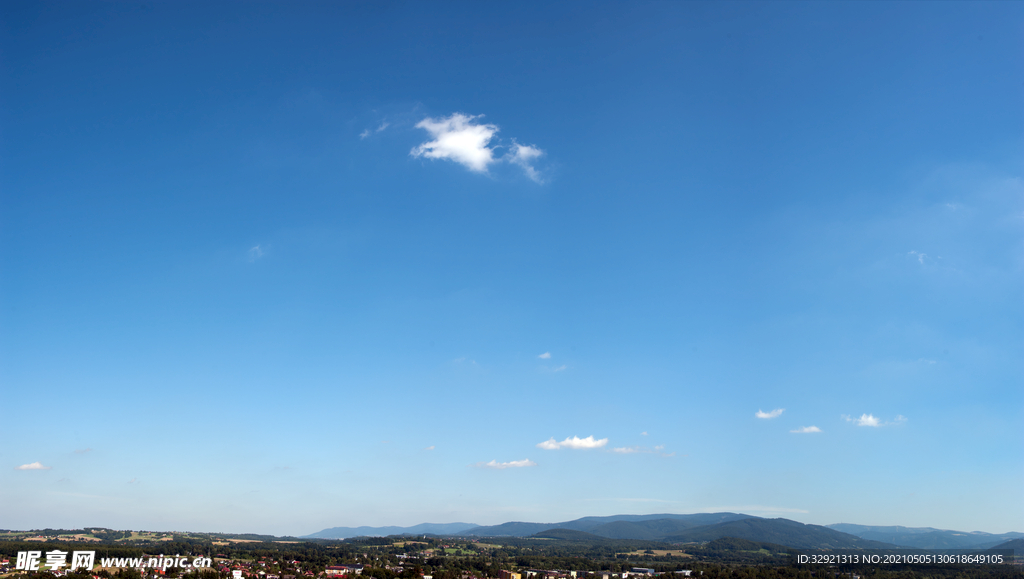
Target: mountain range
671 528
927 537
701 527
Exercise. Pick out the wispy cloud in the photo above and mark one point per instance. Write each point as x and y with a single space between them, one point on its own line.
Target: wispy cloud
573 442
82 450
644 433
431 447
773 414
524 156
874 421
920 256
561 368
752 509
503 465
643 450
255 252
545 356
457 138
32 466
806 430
368 132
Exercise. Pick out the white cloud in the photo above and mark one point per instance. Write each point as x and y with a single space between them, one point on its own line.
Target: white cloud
560 368
431 447
524 155
806 430
457 138
255 253
545 356
503 465
368 132
32 466
874 421
864 420
644 433
773 414
627 449
83 450
574 442
920 256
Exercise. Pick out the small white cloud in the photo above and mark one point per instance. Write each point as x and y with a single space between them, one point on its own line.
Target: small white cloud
545 356
806 430
457 138
659 447
133 481
255 253
644 433
773 414
524 156
431 447
32 466
627 449
368 132
503 465
920 256
574 442
561 368
82 450
864 420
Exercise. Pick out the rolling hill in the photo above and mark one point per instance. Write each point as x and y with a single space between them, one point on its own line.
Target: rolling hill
780 532
926 537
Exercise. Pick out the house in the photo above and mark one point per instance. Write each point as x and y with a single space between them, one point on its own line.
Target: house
344 570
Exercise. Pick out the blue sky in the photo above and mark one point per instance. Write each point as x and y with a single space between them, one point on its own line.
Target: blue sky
276 267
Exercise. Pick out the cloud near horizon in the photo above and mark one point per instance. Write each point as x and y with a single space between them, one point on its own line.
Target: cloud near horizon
458 138
773 414
503 465
573 442
873 421
32 466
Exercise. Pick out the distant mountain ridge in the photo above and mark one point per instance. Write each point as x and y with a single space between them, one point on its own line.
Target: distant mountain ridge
421 529
926 537
611 527
703 527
